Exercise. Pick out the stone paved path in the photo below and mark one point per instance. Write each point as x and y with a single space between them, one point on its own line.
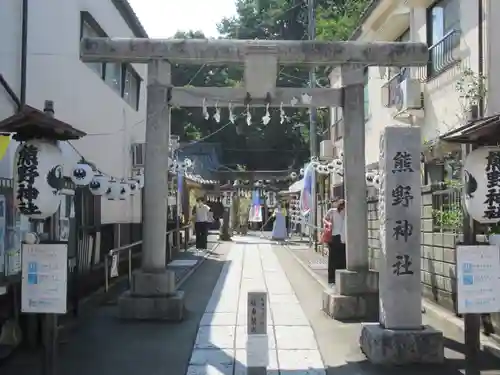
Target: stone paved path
220 347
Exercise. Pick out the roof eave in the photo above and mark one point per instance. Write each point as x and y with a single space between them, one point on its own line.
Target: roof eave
131 19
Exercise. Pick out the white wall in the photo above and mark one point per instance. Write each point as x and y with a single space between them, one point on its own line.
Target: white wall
443 107
81 98
10 52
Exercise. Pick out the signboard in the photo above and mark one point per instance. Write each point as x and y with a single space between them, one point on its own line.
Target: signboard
400 212
44 278
114 265
478 279
257 313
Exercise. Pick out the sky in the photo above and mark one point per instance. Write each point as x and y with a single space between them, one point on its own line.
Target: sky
162 18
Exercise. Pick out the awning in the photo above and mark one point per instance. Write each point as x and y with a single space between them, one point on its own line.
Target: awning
484 132
296 187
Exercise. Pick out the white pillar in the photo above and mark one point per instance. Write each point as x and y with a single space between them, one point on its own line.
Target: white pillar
399 210
156 162
354 169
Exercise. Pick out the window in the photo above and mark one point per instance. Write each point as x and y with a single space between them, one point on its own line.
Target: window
337 127
393 70
443 33
91 29
113 76
131 87
138 154
366 96
122 78
445 17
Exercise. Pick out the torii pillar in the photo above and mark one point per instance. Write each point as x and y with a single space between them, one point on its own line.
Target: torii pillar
357 285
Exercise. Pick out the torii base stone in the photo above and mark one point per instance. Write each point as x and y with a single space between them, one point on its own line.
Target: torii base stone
152 296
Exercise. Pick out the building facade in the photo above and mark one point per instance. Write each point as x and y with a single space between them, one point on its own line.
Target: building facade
39 60
438 97
457 86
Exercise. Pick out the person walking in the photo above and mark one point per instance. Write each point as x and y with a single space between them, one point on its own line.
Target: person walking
334 220
201 222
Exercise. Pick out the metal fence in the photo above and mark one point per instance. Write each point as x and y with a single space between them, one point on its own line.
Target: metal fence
124 257
447 211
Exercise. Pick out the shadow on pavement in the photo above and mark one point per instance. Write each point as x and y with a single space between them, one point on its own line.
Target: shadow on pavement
105 345
339 342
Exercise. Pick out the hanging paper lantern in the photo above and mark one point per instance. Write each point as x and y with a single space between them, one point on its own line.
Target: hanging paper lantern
188 163
140 180
114 190
38 178
322 169
99 185
82 174
124 190
482 188
133 187
338 163
370 179
331 167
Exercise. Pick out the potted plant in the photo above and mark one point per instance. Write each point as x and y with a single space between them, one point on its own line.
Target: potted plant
449 219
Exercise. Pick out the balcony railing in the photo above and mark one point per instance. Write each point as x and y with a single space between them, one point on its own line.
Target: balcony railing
392 85
442 55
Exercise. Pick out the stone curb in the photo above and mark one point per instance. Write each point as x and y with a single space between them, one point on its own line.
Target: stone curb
451 322
434 311
197 265
100 297
307 269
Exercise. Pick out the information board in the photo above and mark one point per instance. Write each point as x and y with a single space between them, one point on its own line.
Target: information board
44 278
257 313
478 279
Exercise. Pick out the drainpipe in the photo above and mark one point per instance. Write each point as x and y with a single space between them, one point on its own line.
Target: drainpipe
480 54
10 92
24 52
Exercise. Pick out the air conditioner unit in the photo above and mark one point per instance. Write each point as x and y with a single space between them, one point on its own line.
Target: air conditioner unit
326 150
408 95
138 155
404 95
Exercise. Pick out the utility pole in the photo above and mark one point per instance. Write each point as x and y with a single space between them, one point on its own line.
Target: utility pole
313 136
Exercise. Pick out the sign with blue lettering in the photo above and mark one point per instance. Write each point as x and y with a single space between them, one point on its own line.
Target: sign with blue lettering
478 279
44 278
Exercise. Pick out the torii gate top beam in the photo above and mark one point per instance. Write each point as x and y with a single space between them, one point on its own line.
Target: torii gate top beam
288 52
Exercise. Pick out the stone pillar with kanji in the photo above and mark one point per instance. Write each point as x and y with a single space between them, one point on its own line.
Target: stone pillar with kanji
399 337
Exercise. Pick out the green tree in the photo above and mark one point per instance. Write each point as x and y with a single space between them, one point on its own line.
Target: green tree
275 145
338 19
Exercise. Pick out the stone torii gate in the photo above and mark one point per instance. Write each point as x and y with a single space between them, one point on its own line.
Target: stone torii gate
152 294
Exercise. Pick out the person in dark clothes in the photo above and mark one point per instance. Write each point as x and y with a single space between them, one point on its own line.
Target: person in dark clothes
336 247
201 223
